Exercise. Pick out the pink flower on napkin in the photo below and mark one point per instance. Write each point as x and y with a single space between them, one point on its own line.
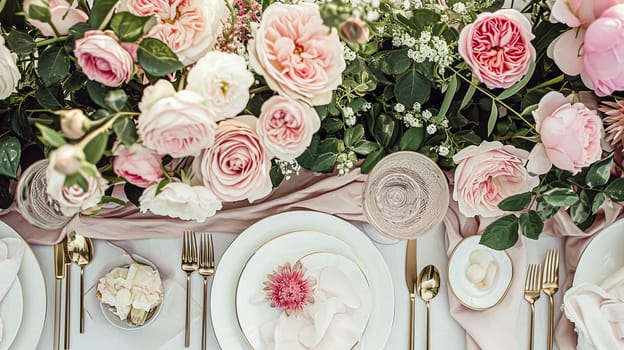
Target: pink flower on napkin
103 59
297 54
487 174
289 288
497 46
140 166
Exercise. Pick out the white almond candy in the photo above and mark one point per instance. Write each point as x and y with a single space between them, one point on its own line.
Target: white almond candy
488 282
475 273
481 257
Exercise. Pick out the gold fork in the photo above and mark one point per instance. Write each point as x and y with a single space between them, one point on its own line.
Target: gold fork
206 269
189 265
550 285
532 293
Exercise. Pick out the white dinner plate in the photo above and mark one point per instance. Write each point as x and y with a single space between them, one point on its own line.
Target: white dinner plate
602 256
11 310
34 296
466 292
229 268
316 251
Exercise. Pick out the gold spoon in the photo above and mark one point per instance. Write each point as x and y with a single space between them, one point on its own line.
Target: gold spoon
80 251
428 288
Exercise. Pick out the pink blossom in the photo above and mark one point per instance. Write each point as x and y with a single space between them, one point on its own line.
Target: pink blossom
487 174
297 54
102 58
63 16
579 13
288 288
497 46
139 165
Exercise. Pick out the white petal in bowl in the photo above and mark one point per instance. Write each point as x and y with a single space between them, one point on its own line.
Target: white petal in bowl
468 263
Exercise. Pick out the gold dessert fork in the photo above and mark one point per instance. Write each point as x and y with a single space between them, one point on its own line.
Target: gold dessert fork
189 265
206 269
532 293
550 285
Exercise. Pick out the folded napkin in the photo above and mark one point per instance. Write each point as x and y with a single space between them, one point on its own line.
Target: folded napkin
503 318
328 324
11 253
598 313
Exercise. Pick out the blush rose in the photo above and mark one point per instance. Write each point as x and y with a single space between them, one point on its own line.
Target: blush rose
103 59
139 165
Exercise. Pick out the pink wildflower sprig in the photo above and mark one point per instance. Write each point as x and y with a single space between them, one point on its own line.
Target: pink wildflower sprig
288 288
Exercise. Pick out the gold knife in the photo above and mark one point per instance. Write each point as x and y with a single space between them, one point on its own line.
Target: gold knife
59 270
67 260
411 278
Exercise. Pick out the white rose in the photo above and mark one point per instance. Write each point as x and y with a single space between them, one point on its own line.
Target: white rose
156 92
224 81
179 200
9 74
74 199
67 159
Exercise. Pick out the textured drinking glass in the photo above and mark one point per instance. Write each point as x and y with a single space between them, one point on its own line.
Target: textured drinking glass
406 195
33 202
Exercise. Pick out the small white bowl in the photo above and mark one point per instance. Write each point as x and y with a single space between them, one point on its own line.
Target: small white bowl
464 290
124 324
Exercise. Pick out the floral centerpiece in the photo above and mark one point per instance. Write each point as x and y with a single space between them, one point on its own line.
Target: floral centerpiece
195 103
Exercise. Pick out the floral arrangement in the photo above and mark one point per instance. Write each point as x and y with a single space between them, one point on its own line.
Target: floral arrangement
289 288
195 103
133 292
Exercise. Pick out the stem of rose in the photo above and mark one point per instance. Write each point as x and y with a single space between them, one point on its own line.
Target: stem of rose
109 123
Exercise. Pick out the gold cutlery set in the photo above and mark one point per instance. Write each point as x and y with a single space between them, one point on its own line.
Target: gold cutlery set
73 249
205 266
548 282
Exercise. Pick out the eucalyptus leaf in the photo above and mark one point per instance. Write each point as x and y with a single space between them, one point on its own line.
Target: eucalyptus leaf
501 234
515 88
10 154
448 96
492 118
531 224
468 96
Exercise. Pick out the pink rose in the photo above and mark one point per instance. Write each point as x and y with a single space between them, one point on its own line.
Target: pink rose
237 166
579 13
179 125
497 46
188 27
297 54
140 166
74 199
102 58
286 126
487 174
63 16
570 133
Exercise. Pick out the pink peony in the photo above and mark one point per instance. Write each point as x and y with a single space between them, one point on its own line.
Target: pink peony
497 46
570 133
237 166
63 15
288 288
579 13
297 54
286 126
175 123
102 58
188 27
487 174
140 166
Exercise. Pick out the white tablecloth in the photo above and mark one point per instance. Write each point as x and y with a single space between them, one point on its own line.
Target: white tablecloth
446 333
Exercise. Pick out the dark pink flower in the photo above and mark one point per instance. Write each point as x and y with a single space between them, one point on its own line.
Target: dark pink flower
288 288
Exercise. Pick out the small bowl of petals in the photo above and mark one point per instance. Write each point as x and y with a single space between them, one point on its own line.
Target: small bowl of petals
131 295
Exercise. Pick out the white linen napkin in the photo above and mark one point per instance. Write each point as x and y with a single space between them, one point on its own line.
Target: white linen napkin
598 313
11 253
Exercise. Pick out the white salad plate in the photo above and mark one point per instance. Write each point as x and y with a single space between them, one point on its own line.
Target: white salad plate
11 310
603 255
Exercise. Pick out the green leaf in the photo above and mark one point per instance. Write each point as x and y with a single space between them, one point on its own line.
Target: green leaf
10 154
53 65
101 13
371 160
324 163
97 93
332 125
515 88
615 190
448 96
468 96
161 185
76 179
353 135
51 137
412 139
116 99
95 148
581 210
545 210
394 62
412 87
531 224
599 172
133 193
492 118
128 27
276 175
365 147
40 11
156 58
329 145
501 234
516 202
560 197
6 197
125 130
111 199
598 201
47 96
20 42
384 128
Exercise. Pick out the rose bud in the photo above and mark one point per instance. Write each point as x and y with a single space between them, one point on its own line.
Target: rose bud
67 159
355 30
74 123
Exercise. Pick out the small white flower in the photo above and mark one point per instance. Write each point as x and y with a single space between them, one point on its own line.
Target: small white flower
348 112
372 15
445 123
367 106
443 151
459 7
431 129
426 114
416 106
348 54
399 108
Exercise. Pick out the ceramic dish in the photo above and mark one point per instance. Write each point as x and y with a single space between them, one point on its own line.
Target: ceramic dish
11 310
467 292
603 255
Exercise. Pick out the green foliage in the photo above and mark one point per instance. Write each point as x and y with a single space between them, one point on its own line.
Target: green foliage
128 27
53 65
502 233
156 58
10 153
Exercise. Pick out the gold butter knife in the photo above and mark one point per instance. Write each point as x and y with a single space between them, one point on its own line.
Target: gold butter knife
59 271
67 260
411 279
